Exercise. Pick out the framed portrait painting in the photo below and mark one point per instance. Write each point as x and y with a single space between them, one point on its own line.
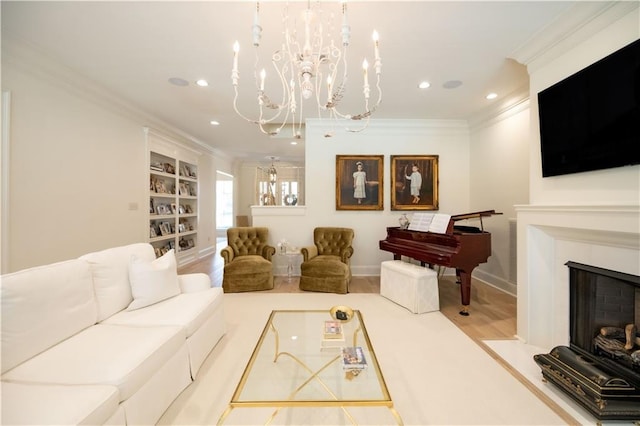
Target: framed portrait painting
414 182
359 182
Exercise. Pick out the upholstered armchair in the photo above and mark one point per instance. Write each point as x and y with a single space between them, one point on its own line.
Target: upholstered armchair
326 265
247 260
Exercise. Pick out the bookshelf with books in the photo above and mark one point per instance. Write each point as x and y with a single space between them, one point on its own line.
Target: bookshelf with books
173 203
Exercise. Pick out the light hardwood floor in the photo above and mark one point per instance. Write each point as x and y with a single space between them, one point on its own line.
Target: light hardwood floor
492 312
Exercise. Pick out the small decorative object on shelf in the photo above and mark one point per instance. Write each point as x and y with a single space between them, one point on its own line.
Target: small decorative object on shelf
404 221
291 200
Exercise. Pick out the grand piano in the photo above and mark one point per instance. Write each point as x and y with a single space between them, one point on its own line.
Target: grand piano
461 247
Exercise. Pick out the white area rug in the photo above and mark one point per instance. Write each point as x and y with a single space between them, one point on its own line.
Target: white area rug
435 373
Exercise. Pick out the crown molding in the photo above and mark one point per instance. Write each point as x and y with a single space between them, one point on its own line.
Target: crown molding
581 21
395 127
27 58
512 104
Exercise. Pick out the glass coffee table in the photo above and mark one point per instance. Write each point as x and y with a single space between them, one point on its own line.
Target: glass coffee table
295 364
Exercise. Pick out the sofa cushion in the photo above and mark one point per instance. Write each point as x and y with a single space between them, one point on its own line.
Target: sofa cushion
125 357
29 404
188 310
110 270
194 282
248 265
325 266
153 281
43 306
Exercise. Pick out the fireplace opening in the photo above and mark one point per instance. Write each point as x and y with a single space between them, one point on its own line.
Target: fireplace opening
603 317
601 367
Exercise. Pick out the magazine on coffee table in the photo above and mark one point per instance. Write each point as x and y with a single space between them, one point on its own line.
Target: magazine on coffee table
353 358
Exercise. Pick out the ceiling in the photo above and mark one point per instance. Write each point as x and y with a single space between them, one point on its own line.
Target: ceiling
133 48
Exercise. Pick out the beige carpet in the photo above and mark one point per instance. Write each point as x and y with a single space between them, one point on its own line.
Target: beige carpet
436 374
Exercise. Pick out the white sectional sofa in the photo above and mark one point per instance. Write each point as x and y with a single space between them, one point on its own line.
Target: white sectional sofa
112 337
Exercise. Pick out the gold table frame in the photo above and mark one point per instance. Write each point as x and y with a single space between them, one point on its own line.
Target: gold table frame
237 400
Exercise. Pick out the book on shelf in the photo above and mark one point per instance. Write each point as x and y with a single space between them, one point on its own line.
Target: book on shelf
332 330
353 358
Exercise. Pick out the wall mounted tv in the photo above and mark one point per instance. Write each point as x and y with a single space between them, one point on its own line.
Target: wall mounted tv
591 120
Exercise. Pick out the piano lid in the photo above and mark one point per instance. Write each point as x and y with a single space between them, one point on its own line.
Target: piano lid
474 215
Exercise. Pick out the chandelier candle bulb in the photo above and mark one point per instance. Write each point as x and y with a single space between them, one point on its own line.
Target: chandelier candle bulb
236 49
329 89
365 68
376 50
234 73
263 76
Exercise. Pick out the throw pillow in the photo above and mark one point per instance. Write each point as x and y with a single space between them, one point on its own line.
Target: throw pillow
152 282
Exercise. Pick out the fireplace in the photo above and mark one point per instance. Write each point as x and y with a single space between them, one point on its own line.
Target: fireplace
600 369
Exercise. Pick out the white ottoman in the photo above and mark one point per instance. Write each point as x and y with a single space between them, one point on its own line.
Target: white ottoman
412 286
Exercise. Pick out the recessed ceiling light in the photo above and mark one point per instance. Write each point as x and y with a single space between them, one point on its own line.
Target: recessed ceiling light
424 85
202 83
452 84
294 143
491 96
214 123
177 81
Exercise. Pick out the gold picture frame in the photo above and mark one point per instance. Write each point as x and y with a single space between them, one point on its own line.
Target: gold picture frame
424 193
359 183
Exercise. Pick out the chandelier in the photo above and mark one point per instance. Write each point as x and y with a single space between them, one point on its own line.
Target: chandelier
310 65
269 199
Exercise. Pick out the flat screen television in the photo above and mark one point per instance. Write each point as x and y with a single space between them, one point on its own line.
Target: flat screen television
591 119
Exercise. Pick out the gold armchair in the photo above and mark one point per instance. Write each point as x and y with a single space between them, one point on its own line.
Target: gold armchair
326 265
247 260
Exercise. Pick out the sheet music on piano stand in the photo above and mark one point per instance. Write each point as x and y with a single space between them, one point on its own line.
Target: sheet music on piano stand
430 222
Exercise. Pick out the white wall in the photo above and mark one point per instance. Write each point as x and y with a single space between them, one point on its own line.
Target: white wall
613 186
591 217
78 179
500 180
448 139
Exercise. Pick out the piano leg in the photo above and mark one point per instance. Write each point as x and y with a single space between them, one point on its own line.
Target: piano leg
465 290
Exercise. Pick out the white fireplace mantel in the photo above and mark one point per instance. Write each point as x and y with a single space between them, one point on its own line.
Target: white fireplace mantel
607 236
